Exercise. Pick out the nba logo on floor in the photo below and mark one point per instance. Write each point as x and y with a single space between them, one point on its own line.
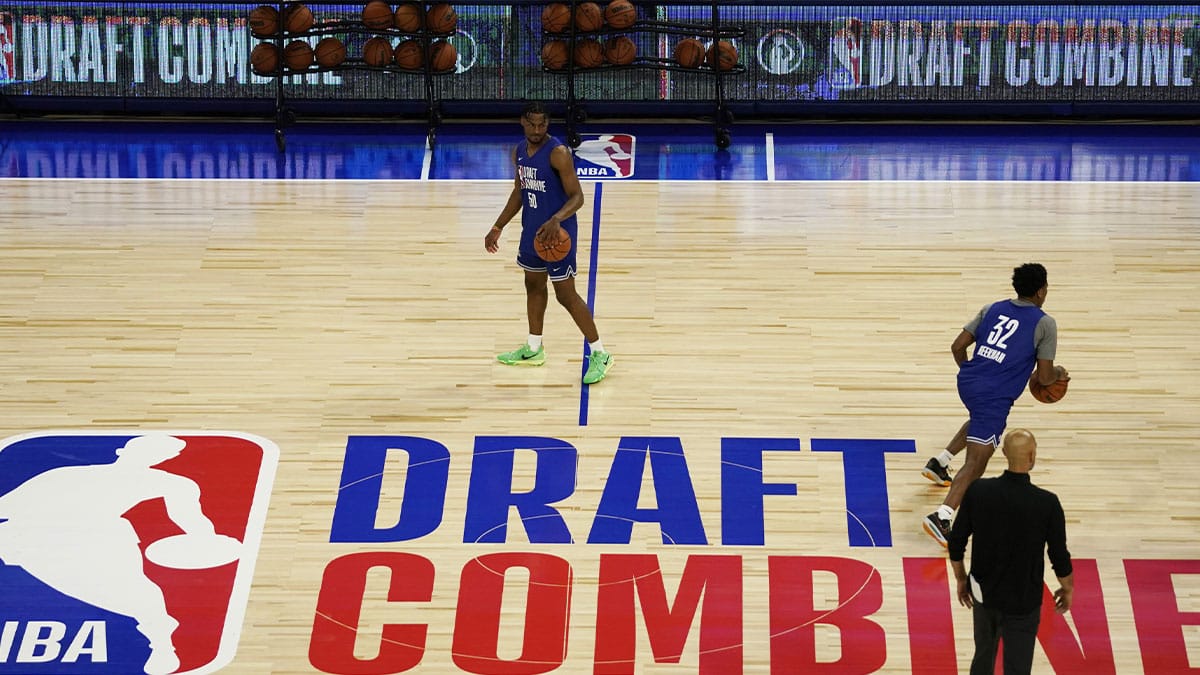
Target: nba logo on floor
128 552
605 156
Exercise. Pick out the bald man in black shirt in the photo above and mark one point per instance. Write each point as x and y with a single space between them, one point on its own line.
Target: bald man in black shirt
1012 523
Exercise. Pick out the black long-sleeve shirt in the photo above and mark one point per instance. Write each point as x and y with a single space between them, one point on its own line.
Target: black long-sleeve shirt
1011 521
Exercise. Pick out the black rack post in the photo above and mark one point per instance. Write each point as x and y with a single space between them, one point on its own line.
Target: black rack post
283 115
433 110
721 136
575 113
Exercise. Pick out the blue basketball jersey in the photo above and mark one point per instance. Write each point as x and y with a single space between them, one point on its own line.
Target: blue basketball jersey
542 191
1005 351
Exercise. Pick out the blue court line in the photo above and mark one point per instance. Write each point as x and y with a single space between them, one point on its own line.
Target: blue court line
591 297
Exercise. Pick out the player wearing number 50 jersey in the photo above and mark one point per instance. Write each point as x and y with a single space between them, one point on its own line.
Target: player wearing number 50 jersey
547 193
1014 341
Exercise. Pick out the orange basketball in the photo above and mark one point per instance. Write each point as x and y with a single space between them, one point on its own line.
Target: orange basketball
377 52
409 54
620 14
377 15
689 53
264 58
556 17
330 52
722 54
298 55
620 51
588 53
442 56
297 17
588 17
409 17
1048 393
554 54
264 20
441 19
555 251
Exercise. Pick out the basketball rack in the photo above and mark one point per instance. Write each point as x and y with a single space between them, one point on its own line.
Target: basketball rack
712 32
285 116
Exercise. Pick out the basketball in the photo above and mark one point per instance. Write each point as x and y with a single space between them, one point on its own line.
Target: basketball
689 53
409 54
722 54
620 14
441 19
377 52
298 55
442 56
588 17
555 252
264 59
1048 393
409 17
556 17
588 53
297 17
330 52
554 55
620 50
264 20
377 15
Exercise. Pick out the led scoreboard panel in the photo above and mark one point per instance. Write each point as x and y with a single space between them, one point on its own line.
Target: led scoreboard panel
803 53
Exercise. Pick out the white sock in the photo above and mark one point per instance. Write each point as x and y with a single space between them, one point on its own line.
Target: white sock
945 512
944 458
534 342
596 346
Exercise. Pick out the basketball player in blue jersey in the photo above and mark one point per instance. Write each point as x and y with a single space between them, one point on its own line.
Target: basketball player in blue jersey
1014 342
547 193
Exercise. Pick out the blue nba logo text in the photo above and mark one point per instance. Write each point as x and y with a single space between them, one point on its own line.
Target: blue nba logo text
605 156
128 552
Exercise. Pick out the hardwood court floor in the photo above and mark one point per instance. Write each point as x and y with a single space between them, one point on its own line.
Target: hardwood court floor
311 312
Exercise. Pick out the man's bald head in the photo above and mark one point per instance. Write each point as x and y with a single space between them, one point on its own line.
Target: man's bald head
1020 447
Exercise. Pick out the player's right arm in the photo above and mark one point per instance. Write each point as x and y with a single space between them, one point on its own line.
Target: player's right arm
491 241
1047 345
1047 373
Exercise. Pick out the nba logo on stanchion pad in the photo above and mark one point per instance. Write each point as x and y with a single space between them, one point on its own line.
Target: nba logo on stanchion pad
605 156
128 552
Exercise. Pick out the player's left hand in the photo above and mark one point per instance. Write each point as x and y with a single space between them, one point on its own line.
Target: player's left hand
548 232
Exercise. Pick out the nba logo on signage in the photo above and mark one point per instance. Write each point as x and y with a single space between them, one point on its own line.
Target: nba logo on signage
605 156
8 62
846 50
128 553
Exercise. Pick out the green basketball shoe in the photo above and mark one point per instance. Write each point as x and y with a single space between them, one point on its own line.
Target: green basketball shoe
523 356
598 366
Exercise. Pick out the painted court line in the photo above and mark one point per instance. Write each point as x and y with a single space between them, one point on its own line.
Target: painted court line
591 296
427 160
770 157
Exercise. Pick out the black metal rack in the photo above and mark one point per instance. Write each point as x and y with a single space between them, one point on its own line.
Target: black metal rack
285 116
577 113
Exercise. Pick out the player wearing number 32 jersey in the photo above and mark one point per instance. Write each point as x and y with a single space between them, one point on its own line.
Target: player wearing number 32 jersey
1013 339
